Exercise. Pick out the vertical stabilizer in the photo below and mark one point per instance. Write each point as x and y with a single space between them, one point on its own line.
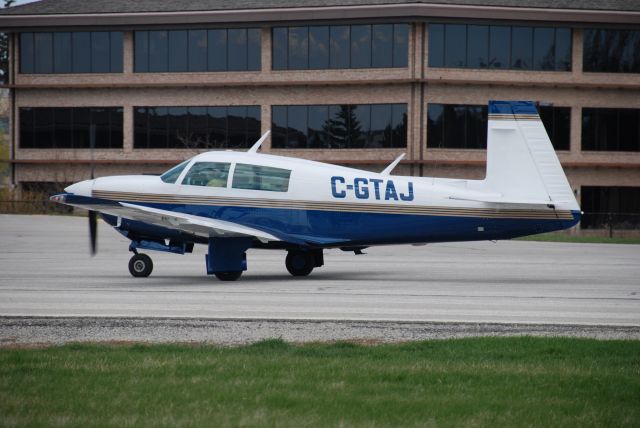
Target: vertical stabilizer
521 162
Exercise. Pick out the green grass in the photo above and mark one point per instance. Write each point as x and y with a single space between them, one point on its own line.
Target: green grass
563 237
466 382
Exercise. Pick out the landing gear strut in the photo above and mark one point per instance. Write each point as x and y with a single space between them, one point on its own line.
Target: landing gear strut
140 265
301 262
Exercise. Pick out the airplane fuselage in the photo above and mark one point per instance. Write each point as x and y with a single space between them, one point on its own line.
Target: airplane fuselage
328 206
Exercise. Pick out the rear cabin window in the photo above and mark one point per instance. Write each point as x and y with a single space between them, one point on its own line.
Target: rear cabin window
172 175
255 177
209 174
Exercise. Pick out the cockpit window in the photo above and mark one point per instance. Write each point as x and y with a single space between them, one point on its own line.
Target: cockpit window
172 175
256 177
211 174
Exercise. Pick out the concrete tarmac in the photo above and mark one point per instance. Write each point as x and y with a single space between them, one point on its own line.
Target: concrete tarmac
47 272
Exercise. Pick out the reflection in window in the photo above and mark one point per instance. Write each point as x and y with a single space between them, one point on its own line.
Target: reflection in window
611 51
495 46
610 207
457 126
71 52
340 46
210 174
200 50
254 177
611 129
557 122
339 126
70 127
453 126
196 127
172 175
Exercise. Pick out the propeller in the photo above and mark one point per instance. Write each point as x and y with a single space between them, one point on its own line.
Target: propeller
93 230
93 215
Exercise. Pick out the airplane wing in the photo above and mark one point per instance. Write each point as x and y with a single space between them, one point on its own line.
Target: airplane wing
197 225
193 223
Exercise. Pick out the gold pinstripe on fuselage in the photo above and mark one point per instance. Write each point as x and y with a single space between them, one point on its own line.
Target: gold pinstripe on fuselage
549 214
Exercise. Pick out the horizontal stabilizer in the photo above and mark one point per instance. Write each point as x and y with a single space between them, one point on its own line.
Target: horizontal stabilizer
509 201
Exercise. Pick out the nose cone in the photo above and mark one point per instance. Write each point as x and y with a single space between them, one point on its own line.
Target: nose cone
82 188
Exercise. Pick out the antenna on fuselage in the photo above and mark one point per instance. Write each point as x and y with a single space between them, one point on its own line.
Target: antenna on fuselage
256 146
392 165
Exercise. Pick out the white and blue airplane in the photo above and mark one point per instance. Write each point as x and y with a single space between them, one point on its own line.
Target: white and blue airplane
234 201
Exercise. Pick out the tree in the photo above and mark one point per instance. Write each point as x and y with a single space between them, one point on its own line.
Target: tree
4 51
344 129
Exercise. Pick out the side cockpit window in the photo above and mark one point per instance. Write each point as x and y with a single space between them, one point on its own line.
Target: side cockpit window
210 174
172 175
256 177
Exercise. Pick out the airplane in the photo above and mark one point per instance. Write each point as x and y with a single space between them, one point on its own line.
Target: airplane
235 201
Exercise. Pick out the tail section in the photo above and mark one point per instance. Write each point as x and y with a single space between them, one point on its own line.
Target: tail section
521 162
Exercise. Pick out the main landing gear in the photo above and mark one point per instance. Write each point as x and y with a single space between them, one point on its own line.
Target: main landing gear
302 262
140 265
226 259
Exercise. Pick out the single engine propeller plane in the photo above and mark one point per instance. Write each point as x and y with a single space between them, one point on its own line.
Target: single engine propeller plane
234 201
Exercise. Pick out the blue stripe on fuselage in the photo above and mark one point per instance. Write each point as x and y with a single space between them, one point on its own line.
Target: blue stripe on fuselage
371 228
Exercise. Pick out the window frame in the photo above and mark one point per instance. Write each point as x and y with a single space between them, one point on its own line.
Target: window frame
71 60
218 58
508 51
340 47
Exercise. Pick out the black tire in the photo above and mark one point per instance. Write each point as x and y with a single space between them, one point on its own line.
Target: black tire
228 276
140 265
300 263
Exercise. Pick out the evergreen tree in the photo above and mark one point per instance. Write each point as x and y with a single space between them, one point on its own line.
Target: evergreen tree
344 129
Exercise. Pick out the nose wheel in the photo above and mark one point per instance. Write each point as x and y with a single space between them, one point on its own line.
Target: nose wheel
140 265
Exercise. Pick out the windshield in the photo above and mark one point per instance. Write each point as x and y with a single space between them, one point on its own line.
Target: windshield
172 175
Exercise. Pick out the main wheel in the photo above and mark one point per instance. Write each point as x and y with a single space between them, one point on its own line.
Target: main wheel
140 265
300 263
228 276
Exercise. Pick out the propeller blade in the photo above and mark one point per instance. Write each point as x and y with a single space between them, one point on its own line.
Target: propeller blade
93 230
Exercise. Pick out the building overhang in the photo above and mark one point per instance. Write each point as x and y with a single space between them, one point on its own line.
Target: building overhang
413 12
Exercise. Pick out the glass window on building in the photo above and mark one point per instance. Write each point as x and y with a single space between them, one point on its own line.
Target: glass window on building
71 52
611 129
70 127
453 126
339 126
340 46
255 177
501 47
461 126
557 122
610 207
202 127
199 50
611 51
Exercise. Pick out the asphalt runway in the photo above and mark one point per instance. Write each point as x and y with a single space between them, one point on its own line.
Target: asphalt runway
48 272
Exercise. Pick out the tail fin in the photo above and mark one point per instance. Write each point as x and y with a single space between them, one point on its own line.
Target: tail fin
521 162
